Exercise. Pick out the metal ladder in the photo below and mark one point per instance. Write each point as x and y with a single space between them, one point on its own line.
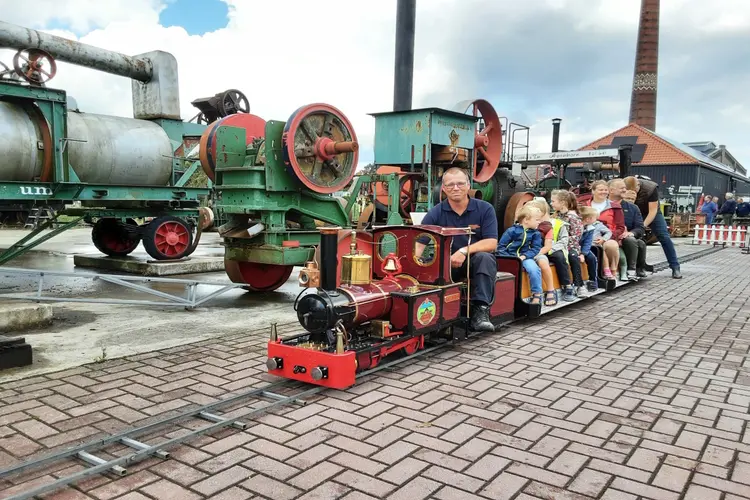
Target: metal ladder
44 213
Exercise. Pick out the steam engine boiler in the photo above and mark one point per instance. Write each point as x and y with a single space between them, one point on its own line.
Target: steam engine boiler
388 301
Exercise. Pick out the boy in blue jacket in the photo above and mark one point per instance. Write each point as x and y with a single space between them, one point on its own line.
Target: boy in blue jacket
522 240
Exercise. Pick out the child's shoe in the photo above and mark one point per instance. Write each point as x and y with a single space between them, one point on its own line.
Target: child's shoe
569 294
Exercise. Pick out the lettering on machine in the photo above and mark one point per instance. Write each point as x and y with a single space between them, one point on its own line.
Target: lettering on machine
35 191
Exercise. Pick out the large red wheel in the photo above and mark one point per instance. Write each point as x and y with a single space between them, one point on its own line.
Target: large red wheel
258 277
488 140
168 238
112 237
320 148
30 65
255 127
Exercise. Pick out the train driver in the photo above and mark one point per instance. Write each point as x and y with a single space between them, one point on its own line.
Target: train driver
647 200
459 210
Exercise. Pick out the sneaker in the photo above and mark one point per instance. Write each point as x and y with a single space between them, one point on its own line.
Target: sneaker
631 275
568 294
676 274
581 292
641 273
608 274
592 286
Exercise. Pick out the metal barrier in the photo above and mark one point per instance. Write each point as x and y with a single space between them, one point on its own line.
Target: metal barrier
136 283
734 236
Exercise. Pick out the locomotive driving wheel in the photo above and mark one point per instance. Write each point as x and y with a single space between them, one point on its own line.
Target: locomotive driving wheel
488 141
30 65
258 277
320 148
111 237
168 238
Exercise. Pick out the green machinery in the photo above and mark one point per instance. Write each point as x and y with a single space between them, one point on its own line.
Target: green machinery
107 169
276 184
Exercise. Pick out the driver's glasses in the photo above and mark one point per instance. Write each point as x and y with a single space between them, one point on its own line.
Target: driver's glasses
455 185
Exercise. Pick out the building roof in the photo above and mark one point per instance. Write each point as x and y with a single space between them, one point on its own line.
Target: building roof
650 148
718 153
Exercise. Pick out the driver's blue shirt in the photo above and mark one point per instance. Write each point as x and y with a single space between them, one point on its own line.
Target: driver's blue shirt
479 213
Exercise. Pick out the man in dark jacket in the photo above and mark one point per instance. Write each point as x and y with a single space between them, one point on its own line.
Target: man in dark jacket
743 208
727 209
632 242
647 201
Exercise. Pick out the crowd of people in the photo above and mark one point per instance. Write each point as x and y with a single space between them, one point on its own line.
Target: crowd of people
614 219
728 209
561 233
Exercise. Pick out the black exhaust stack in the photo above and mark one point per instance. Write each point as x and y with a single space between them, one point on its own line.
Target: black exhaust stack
329 239
556 134
626 156
406 15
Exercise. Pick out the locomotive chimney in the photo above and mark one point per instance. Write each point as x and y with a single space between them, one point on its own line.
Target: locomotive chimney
556 134
645 76
626 154
329 237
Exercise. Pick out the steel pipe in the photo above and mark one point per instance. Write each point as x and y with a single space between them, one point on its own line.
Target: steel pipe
62 49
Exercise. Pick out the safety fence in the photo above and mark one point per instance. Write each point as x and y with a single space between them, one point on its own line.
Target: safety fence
733 236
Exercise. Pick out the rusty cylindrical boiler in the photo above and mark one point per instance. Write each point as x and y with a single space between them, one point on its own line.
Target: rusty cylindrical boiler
101 149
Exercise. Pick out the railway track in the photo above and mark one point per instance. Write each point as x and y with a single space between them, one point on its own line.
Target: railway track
265 398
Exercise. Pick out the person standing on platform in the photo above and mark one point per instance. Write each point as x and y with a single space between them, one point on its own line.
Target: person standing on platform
647 200
727 209
709 208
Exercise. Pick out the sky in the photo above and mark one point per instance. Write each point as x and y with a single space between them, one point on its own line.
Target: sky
533 59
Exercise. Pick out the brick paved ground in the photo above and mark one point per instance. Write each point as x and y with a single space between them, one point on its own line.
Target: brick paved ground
642 393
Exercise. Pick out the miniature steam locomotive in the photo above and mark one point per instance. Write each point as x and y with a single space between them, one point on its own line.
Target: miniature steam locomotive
387 301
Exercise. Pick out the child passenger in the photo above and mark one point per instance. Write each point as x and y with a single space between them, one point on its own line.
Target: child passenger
593 230
565 205
524 241
554 250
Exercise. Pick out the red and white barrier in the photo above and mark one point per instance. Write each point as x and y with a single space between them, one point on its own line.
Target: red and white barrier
734 236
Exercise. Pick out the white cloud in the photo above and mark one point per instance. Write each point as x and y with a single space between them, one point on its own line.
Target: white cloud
80 15
288 53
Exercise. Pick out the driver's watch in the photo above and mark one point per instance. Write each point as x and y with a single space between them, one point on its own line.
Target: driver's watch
464 251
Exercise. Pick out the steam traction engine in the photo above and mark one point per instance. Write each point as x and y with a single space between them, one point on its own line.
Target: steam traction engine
388 301
278 182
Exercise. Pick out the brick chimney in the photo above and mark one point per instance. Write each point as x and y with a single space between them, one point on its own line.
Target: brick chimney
645 76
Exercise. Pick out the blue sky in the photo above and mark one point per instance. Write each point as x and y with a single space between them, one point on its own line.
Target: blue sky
196 16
